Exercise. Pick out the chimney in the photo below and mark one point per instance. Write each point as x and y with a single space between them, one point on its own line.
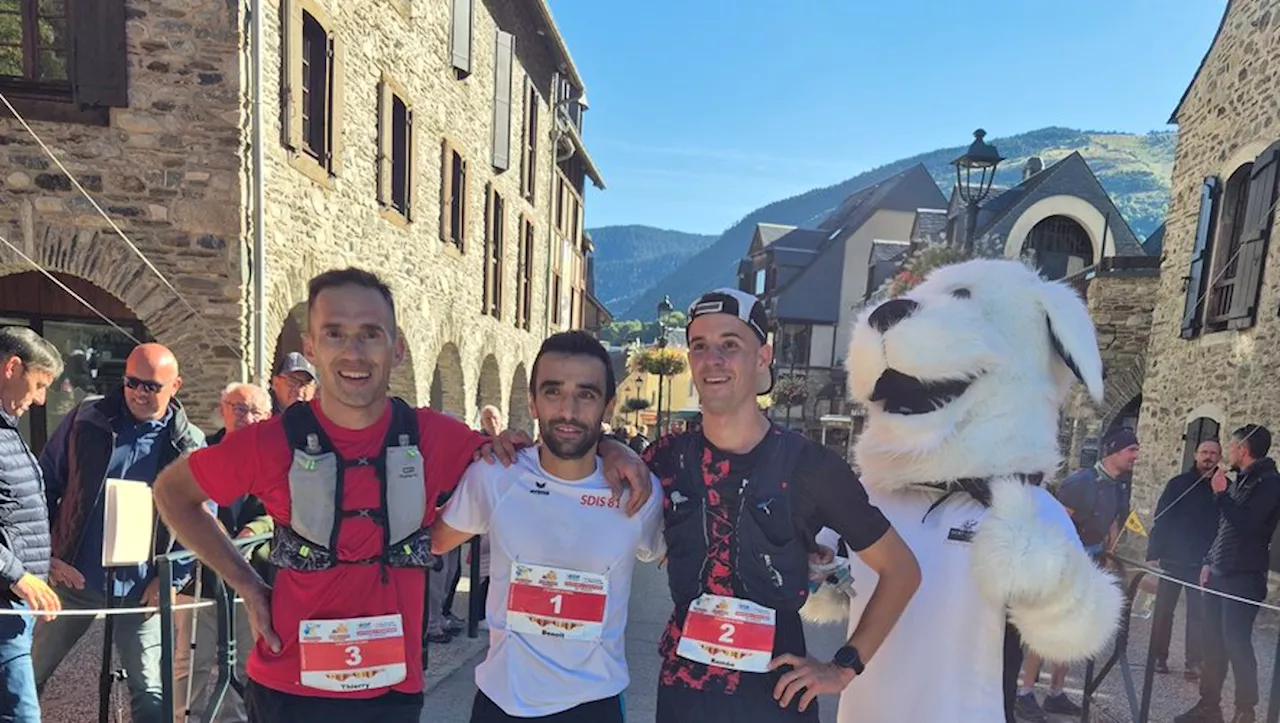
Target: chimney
1034 166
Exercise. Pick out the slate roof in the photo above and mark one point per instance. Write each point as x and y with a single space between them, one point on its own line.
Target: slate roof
886 259
930 226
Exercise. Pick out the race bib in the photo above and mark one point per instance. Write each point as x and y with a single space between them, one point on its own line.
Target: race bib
728 632
552 602
354 654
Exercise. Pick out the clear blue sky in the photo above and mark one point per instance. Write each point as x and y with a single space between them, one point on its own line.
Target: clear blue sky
703 110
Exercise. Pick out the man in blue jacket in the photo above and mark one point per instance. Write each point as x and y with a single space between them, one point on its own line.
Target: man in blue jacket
130 434
28 366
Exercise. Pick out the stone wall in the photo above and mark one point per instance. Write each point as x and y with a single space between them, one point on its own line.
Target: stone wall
168 171
311 227
1231 112
1120 304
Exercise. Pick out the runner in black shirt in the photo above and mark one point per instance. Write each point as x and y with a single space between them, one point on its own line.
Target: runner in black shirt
743 500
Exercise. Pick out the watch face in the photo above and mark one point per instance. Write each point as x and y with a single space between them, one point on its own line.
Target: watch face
847 657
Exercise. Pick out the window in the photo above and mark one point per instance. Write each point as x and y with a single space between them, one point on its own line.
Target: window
460 36
395 151
40 74
453 197
313 58
761 274
793 344
495 245
503 54
524 294
557 274
529 155
1227 251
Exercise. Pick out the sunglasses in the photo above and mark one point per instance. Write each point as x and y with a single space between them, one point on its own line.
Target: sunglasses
147 386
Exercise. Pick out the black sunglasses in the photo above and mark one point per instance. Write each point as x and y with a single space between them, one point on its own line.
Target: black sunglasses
146 386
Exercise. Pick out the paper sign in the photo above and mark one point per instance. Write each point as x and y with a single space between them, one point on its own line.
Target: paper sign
128 523
352 654
728 632
552 602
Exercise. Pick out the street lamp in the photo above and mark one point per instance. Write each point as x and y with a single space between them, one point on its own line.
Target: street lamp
664 308
983 158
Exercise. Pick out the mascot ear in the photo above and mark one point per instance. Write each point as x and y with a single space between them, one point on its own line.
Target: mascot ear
1072 335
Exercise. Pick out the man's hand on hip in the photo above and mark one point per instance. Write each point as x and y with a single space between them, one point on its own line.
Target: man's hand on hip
257 601
37 595
810 676
60 573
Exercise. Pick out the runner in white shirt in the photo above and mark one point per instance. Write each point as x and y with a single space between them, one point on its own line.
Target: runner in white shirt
561 552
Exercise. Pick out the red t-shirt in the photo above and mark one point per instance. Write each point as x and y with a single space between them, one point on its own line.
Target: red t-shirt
256 461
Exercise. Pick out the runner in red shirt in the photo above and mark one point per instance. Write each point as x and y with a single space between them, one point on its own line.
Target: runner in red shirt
354 346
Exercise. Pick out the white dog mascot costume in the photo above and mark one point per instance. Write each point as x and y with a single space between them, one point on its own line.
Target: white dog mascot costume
962 380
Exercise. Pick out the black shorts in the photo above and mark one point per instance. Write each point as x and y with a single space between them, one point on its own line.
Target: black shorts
607 710
681 705
265 705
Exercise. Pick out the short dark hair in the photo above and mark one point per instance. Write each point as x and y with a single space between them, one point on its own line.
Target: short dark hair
334 278
578 343
1256 437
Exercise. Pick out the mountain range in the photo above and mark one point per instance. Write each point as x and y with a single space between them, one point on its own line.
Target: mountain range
637 265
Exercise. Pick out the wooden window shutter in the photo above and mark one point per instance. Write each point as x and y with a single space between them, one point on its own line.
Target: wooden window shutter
463 195
503 53
485 306
446 190
410 148
1193 308
99 56
337 94
499 253
1258 213
385 134
460 35
291 57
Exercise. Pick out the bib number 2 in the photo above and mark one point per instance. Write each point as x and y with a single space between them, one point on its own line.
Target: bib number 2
728 633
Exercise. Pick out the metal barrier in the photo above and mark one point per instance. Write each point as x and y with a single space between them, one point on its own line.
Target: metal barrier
1140 708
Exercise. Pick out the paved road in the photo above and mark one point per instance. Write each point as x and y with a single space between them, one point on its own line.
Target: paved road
450 700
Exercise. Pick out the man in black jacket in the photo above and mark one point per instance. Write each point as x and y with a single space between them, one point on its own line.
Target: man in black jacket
28 366
132 434
1185 524
1237 564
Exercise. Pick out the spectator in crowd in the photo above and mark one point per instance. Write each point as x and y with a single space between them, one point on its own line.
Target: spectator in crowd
295 381
1186 522
28 366
132 434
1097 498
240 406
1248 505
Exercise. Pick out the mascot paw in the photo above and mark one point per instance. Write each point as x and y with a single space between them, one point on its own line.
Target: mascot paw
828 606
1078 620
1017 558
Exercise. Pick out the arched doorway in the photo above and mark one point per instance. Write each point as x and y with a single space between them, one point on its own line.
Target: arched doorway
93 351
1058 246
489 388
518 402
1127 417
448 393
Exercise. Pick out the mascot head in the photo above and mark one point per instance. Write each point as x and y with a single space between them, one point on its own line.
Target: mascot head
964 376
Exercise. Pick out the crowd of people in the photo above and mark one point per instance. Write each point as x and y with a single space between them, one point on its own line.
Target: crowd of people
368 502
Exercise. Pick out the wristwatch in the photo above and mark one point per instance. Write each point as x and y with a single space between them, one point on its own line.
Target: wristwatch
847 657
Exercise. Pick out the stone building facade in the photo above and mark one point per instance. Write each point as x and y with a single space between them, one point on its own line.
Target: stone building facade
435 142
1214 352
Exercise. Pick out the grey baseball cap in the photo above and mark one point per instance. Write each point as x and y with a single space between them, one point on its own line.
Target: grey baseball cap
296 362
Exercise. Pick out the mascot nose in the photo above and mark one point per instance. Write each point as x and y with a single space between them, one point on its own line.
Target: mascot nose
890 313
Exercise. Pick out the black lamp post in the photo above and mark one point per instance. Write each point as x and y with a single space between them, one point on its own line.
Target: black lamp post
983 158
664 308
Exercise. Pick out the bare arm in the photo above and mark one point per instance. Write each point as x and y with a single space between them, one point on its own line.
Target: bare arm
181 504
444 539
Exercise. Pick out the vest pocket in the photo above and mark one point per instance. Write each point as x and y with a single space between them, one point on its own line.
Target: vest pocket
290 551
413 551
684 532
771 564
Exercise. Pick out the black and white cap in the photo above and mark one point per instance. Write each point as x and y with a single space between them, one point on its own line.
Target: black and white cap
748 309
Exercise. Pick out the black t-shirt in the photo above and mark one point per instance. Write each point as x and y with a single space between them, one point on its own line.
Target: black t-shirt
824 492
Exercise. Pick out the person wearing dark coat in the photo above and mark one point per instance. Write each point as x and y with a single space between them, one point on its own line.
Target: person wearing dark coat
28 367
1186 522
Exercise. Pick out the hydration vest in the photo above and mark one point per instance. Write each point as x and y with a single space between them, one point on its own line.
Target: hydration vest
310 542
770 556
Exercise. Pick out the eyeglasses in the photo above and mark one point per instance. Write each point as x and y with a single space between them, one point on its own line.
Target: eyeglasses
244 410
145 385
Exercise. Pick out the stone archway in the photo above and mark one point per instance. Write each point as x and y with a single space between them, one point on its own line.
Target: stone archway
518 401
1072 207
448 388
404 383
1059 247
489 387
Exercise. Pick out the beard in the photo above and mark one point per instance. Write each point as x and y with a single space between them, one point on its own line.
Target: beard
570 449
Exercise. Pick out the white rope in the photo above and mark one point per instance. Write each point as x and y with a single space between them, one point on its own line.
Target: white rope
1158 573
67 289
109 611
49 152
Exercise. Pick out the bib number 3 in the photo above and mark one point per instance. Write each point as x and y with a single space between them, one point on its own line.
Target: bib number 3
353 654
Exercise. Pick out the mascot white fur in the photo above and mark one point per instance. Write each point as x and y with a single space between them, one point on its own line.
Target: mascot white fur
962 380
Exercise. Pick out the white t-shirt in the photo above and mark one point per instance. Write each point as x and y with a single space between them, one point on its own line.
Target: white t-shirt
536 519
949 637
